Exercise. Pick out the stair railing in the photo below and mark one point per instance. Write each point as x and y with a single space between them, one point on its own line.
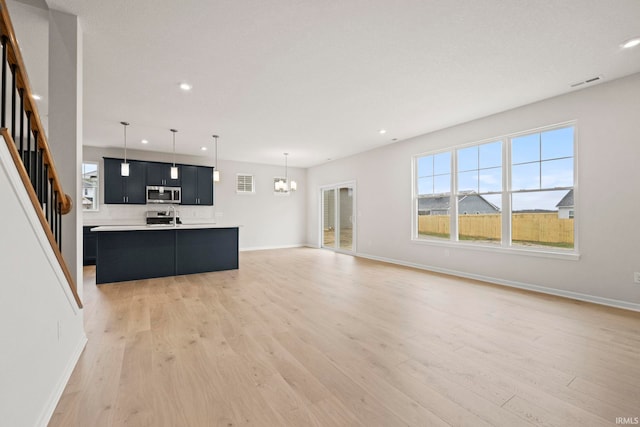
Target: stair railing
26 140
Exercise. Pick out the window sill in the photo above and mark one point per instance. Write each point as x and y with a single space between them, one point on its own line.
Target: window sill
541 253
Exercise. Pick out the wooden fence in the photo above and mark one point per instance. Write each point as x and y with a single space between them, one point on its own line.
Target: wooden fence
526 227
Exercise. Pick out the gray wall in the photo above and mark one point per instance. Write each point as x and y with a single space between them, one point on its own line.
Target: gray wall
608 150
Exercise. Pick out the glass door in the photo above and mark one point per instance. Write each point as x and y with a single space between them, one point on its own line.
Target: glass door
338 220
329 218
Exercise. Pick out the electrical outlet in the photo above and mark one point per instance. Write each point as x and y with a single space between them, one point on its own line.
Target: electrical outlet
636 277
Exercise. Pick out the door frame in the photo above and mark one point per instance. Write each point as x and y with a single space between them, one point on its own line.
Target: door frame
354 216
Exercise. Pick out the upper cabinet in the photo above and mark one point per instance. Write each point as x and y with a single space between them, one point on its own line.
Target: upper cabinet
197 185
124 189
196 182
160 174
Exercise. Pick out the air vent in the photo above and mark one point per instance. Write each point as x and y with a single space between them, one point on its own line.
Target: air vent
244 183
588 81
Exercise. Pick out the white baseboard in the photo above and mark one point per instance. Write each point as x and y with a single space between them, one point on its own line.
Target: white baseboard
513 284
266 248
47 413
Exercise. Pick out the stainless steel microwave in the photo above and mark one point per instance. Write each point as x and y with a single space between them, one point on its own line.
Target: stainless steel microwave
159 194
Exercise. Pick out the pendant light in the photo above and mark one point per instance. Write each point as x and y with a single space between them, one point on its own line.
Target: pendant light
216 172
283 185
174 169
293 186
124 166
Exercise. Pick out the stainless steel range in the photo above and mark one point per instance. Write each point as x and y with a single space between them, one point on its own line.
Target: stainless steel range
163 217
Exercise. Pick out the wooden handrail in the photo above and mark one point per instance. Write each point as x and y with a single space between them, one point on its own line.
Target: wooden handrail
24 176
58 200
14 57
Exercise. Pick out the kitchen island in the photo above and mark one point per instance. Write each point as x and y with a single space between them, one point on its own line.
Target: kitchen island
133 252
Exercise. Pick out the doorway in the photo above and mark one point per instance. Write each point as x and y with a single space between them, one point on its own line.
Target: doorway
338 219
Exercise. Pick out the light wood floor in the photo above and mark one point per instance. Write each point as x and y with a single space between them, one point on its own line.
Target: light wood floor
307 337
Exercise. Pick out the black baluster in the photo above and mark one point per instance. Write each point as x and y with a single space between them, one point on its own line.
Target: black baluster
3 109
40 176
55 215
50 203
24 159
21 146
36 173
13 101
45 191
33 155
59 221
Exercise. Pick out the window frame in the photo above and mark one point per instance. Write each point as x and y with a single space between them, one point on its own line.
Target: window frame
505 245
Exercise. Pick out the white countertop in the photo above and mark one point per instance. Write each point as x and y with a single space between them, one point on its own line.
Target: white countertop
144 227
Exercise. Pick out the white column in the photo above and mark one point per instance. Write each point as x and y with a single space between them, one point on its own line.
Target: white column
65 127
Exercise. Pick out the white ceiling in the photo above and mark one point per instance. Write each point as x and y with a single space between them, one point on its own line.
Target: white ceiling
318 79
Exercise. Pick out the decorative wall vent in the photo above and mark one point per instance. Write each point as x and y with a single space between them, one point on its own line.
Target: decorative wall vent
244 183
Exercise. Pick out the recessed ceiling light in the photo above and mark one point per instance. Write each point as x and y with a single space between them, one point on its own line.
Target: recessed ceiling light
185 86
203 148
382 131
145 141
631 43
36 97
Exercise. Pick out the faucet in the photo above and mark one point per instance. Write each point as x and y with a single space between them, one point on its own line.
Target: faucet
175 215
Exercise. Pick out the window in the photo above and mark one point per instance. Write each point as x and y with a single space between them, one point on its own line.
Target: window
433 195
244 183
479 191
542 189
516 191
89 186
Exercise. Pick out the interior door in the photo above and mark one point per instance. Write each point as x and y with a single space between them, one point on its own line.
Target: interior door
338 220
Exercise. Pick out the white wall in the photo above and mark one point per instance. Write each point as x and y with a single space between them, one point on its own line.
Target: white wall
31 25
267 220
608 128
41 331
65 127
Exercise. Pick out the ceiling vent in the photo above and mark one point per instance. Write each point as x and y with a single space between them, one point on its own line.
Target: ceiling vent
588 81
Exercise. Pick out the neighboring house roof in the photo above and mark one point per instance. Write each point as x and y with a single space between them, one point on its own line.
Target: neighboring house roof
468 203
566 201
439 203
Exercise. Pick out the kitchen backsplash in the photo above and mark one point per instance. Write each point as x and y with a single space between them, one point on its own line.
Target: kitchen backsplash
135 214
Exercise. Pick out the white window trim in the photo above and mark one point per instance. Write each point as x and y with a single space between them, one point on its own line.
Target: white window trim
505 245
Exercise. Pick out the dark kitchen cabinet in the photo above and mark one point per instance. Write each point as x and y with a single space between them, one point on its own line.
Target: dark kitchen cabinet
89 246
124 189
147 253
160 174
197 185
